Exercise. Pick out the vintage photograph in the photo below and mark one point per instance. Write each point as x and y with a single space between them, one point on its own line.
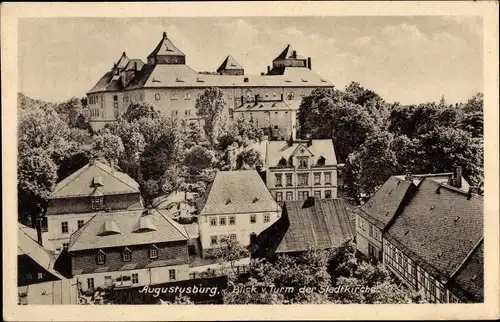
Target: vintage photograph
250 160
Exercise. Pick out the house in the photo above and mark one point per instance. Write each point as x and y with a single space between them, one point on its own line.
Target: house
435 245
129 249
166 82
58 292
35 264
277 118
96 188
298 169
377 213
306 224
236 205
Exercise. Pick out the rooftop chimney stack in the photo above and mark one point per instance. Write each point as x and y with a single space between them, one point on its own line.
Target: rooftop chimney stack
39 230
408 176
309 62
282 96
242 99
294 54
472 191
256 99
456 179
268 69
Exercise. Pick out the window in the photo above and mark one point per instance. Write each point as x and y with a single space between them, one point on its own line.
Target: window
303 179
213 221
289 196
279 196
302 162
115 98
174 96
372 251
65 246
328 178
90 283
141 96
135 278
291 95
101 257
317 194
125 99
187 96
222 221
288 179
115 105
40 276
187 112
153 252
80 223
126 255
97 203
171 274
303 195
328 194
370 230
157 97
232 220
267 218
253 219
317 178
213 240
64 227
278 177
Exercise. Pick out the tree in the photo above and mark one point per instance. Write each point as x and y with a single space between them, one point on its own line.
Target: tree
174 179
70 111
138 110
229 252
107 145
249 157
209 106
198 159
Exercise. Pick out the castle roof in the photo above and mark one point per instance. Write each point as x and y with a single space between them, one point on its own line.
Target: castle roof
166 48
289 53
229 63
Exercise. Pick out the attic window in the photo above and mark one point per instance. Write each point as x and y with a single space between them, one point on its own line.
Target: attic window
97 181
232 65
228 201
178 80
101 257
156 80
456 218
406 232
144 224
109 227
153 252
274 105
432 207
288 81
387 213
304 80
323 81
261 106
199 80
321 160
255 200
245 79
127 255
282 162
440 254
422 243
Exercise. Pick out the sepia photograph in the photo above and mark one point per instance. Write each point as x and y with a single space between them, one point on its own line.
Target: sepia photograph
250 159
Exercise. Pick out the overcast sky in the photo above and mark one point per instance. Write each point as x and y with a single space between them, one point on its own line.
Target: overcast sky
405 59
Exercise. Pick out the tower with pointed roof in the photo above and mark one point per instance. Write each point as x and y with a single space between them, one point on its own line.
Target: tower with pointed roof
230 67
288 58
166 53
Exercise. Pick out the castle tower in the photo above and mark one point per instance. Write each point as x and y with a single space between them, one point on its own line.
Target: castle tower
230 67
166 53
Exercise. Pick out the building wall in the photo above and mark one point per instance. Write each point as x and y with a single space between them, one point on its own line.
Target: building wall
242 228
56 236
84 204
175 253
414 276
146 276
295 188
30 272
290 63
367 238
283 121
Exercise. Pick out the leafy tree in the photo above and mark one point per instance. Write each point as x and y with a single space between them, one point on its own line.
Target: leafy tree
138 110
107 145
174 179
230 251
198 159
150 189
250 157
209 106
474 104
70 111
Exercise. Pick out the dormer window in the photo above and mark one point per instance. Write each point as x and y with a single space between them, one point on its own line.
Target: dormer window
282 162
153 252
127 255
101 257
321 160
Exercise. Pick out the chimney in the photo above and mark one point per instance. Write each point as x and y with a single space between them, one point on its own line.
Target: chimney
268 69
112 165
294 54
242 100
92 161
282 95
472 191
309 62
39 230
164 34
256 99
456 179
408 176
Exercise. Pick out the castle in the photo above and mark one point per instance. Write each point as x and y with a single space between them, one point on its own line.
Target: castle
166 82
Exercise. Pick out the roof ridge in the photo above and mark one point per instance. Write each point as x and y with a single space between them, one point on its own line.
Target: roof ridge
114 175
462 263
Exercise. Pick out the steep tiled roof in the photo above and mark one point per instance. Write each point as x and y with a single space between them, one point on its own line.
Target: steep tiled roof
322 225
383 205
437 177
123 61
229 63
166 48
28 246
470 276
265 106
287 53
90 235
234 192
439 227
281 149
80 182
133 63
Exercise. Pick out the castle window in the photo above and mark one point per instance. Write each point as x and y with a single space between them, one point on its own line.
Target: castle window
174 96
115 98
97 203
187 96
157 97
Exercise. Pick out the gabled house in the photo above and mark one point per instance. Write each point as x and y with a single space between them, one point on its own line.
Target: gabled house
236 205
35 264
96 188
126 249
317 224
298 169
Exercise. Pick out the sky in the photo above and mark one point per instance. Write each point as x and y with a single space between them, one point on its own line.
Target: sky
410 59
